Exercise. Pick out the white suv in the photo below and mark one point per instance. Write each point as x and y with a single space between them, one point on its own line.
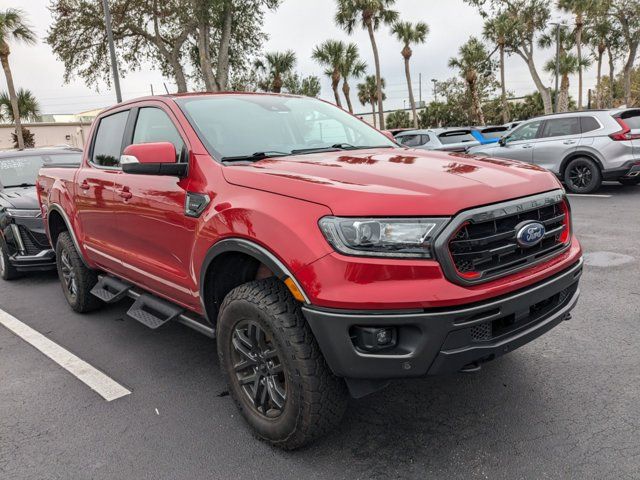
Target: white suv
581 148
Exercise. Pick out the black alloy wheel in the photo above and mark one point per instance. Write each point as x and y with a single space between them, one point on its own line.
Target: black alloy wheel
258 369
582 175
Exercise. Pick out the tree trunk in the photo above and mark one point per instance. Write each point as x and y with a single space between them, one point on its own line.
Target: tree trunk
205 58
222 77
277 84
612 74
545 92
335 83
599 78
475 100
376 58
4 58
346 90
579 25
178 73
628 67
563 100
503 96
412 100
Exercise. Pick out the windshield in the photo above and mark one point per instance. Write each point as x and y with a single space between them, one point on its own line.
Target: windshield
18 171
244 125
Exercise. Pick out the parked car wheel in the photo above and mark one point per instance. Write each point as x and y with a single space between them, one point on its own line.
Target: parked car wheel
7 271
276 373
629 181
582 175
76 278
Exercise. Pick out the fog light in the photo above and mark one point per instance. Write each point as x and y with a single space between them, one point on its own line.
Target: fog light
372 339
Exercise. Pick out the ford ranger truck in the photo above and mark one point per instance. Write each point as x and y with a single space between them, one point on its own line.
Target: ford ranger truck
324 258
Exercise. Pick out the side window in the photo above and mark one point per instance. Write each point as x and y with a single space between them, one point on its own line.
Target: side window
412 140
589 124
560 127
528 131
107 145
425 139
154 125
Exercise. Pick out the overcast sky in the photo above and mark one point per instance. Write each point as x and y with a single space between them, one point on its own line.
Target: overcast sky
297 25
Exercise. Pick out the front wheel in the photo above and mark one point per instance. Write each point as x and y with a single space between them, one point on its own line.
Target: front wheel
582 175
7 271
276 373
77 279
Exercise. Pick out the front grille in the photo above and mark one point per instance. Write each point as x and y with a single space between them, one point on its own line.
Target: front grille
482 249
34 242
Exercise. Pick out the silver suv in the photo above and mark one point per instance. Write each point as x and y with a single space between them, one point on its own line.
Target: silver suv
581 148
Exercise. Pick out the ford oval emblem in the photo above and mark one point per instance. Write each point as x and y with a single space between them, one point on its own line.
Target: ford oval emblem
530 234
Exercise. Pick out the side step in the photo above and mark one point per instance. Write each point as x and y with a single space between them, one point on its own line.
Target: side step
110 290
153 312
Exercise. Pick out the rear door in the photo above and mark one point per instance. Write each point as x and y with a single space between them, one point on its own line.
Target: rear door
155 233
95 200
559 138
519 144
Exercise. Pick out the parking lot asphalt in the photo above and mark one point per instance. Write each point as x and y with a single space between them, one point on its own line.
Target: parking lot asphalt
564 406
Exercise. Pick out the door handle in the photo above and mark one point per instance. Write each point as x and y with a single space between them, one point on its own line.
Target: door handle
125 193
527 146
85 185
569 142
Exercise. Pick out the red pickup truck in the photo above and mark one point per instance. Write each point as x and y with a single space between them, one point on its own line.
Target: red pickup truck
322 257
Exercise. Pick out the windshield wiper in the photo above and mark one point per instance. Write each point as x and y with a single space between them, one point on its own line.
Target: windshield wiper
337 147
254 157
20 185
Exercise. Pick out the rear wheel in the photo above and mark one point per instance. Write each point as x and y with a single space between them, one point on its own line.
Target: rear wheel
582 175
276 373
76 278
7 271
629 181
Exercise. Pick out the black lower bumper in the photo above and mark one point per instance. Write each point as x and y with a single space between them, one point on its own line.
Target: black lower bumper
444 341
44 260
628 170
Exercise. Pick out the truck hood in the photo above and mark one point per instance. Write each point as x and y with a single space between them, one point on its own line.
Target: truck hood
19 197
394 182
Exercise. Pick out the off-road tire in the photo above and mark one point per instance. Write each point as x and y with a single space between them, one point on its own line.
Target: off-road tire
315 399
630 182
582 175
68 261
7 271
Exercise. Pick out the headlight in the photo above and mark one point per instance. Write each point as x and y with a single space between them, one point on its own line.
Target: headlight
383 237
15 212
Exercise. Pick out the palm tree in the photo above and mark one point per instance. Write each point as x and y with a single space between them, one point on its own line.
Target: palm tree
598 32
13 27
368 93
474 64
579 8
408 34
275 66
498 30
330 54
352 67
27 106
370 14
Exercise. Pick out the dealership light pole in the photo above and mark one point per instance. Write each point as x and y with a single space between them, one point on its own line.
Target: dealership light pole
112 50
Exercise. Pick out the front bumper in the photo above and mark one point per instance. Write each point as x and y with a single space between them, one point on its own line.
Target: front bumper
44 260
445 340
27 244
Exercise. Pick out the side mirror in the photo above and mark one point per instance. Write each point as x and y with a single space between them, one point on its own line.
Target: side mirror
503 141
152 159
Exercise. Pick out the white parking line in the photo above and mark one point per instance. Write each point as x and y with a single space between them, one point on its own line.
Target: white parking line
103 385
578 195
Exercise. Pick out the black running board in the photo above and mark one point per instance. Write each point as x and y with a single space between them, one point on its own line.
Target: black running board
148 309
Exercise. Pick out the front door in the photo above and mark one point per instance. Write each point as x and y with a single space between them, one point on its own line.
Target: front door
95 200
520 144
559 138
154 230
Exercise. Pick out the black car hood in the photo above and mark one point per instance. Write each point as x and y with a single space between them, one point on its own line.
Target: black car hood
19 197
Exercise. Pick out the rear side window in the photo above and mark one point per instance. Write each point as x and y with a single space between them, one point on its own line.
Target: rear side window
107 146
589 124
413 140
632 119
559 127
153 125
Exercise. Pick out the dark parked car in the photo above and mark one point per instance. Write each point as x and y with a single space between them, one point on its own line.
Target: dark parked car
23 242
